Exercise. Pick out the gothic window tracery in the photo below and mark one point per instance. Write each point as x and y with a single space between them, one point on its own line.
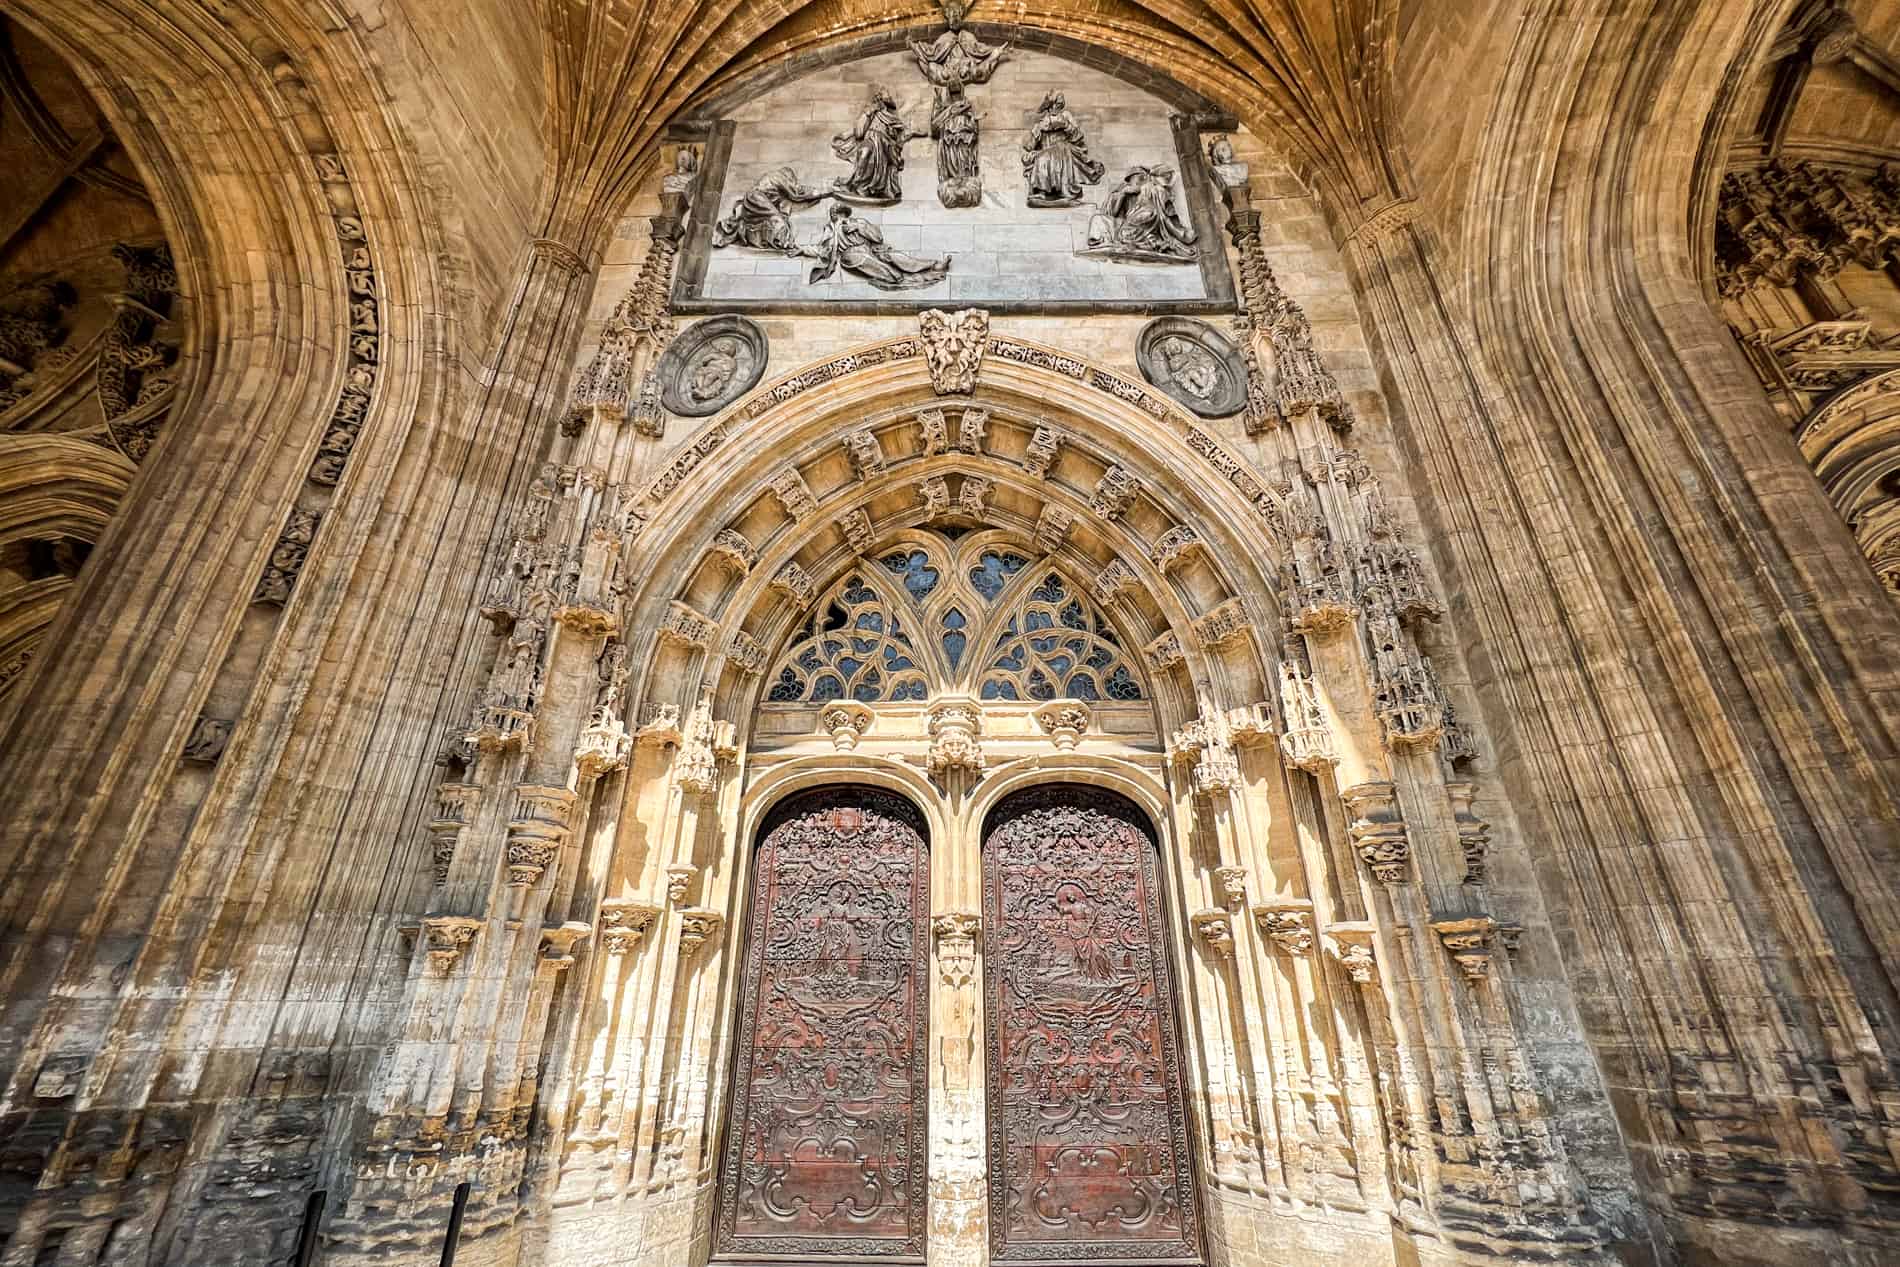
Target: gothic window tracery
976 614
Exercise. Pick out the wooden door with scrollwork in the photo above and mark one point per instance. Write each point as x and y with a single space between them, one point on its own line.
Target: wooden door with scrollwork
1088 1144
825 1146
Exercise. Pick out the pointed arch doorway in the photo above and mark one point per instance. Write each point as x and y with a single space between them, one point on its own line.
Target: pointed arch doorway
826 1150
1088 1141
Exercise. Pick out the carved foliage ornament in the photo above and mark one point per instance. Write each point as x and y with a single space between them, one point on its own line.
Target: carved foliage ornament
953 345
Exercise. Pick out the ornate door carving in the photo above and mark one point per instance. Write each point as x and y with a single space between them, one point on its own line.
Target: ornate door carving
825 1148
1087 1139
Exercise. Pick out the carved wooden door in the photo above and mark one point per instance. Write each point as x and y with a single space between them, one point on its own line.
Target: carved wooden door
825 1146
1088 1146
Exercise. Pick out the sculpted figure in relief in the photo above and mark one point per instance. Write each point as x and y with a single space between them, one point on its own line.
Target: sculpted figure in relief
951 61
762 219
714 370
857 246
1192 368
875 150
1138 221
1056 160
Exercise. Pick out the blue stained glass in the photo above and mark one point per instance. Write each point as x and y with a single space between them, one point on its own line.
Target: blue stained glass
808 659
913 689
873 621
1050 591
1072 616
827 688
953 644
1121 685
914 569
1033 619
1082 686
992 572
994 689
1061 663
849 665
1039 687
864 646
788 687
1013 661
894 659
1100 658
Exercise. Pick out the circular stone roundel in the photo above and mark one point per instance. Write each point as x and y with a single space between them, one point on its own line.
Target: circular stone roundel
1194 363
714 363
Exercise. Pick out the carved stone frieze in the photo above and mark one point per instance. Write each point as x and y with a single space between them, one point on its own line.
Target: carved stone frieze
453 801
287 558
537 828
972 428
1194 363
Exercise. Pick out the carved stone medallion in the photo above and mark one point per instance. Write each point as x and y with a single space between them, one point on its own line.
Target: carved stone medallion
713 364
1194 363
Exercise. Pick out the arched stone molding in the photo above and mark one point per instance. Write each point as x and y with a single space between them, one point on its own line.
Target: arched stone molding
885 395
1567 392
770 784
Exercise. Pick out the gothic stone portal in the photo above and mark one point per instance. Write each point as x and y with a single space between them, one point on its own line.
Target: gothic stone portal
825 1155
1087 1140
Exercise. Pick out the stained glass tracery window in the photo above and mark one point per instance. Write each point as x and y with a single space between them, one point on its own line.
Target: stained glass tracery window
851 646
927 616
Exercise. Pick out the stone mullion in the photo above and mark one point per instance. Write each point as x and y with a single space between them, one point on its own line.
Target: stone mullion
1230 825
1360 1094
1207 990
1328 1101
662 1032
959 1208
1260 764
